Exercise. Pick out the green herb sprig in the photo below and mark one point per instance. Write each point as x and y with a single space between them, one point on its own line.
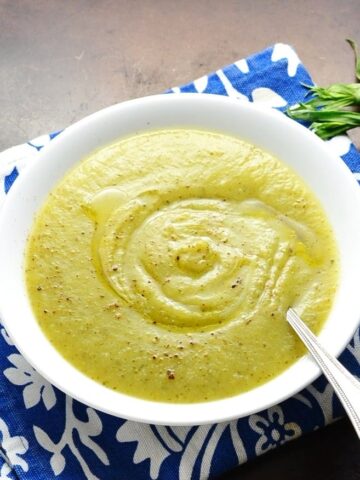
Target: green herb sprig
330 110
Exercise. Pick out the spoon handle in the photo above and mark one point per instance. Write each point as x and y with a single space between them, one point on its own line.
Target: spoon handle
344 384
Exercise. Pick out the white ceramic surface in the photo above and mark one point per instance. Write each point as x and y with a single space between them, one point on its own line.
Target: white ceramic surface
325 173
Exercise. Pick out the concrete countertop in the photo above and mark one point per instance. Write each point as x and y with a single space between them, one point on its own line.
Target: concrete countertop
60 61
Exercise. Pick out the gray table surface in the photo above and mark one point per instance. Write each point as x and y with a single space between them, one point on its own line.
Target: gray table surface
62 60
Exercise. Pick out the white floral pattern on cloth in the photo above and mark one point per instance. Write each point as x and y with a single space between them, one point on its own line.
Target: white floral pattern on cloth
92 427
156 443
282 51
36 388
12 450
46 435
272 429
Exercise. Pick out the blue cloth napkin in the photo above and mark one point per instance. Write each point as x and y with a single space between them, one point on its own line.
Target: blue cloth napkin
45 434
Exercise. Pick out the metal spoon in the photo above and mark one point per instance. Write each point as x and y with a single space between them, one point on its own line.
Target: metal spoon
345 385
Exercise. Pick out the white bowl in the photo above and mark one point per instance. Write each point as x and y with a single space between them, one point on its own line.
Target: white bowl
324 173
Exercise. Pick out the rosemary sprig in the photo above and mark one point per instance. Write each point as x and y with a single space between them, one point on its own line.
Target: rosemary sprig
328 109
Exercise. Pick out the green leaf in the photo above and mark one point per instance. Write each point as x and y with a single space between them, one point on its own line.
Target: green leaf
353 45
348 93
327 111
326 123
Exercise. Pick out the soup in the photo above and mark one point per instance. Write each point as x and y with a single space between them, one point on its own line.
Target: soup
162 266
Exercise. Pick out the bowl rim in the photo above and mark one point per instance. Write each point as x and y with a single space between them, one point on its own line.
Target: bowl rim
121 405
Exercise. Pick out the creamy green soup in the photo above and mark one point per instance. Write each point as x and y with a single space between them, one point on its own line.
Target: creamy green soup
162 266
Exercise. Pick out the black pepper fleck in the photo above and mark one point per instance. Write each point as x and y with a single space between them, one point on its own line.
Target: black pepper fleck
170 374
